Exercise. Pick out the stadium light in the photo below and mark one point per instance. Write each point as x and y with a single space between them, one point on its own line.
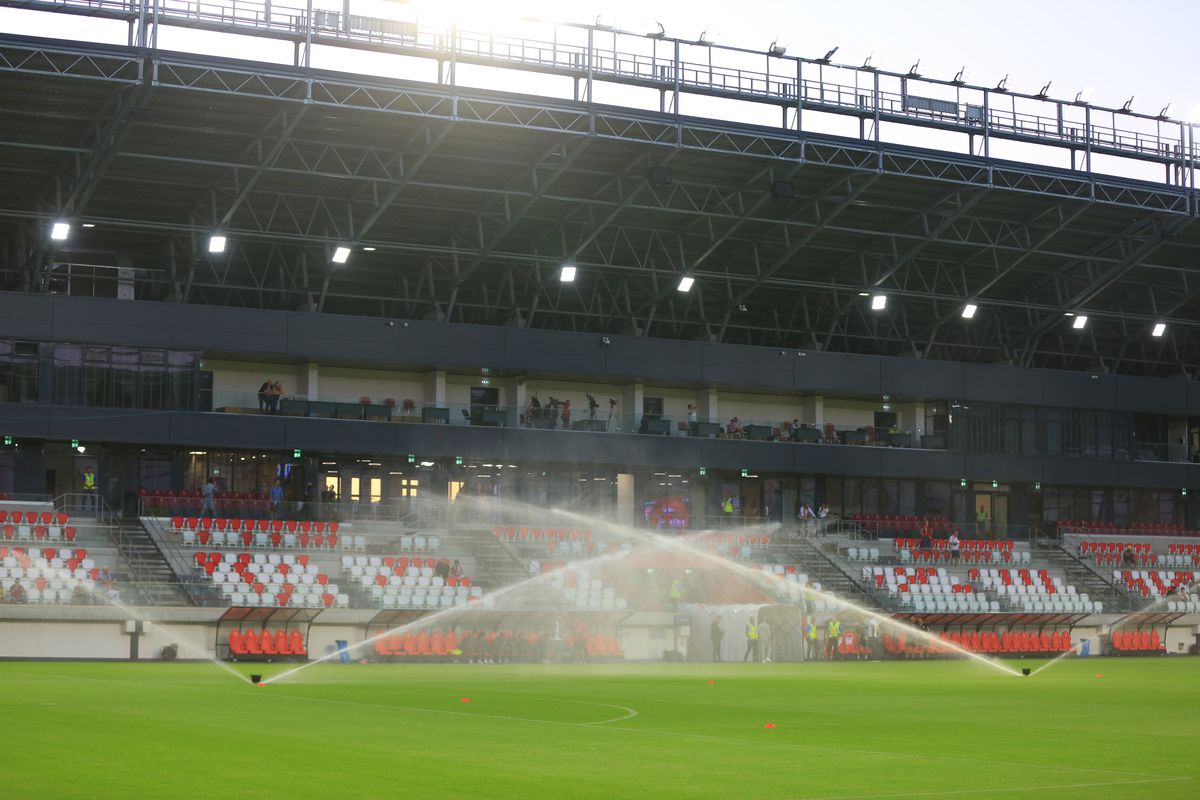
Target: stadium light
216 243
1044 92
879 302
685 283
568 273
825 59
1002 86
912 71
776 49
1159 329
960 77
969 310
1079 322
60 231
341 255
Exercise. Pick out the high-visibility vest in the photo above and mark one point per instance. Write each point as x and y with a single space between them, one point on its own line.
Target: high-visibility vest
751 630
89 480
835 628
812 631
727 506
676 589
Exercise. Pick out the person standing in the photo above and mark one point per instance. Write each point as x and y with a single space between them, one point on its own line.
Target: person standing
210 501
833 633
264 397
276 499
676 593
811 639
275 395
693 418
955 546
308 498
751 640
89 488
716 634
764 640
873 637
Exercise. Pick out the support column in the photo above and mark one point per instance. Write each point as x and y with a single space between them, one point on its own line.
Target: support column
435 388
632 396
515 397
706 406
309 380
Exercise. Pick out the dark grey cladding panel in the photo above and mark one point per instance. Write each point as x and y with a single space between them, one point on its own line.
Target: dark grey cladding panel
916 378
652 359
229 430
22 419
737 454
27 316
1080 472
1154 395
552 351
665 451
169 325
1080 390
331 338
836 373
340 436
1001 384
110 423
989 467
1158 475
1193 395
920 463
836 459
731 365
439 344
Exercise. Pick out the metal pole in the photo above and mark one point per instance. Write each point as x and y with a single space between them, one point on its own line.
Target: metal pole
308 26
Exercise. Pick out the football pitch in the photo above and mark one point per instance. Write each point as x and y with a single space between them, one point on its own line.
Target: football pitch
1096 728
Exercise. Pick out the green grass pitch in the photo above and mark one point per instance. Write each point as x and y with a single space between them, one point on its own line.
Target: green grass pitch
1095 728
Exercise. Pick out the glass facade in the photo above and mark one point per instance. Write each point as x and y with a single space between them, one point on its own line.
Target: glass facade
123 377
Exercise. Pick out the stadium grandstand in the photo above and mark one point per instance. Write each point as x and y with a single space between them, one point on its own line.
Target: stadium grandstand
300 363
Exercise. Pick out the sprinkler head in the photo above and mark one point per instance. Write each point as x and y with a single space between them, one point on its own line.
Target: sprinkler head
256 680
1026 671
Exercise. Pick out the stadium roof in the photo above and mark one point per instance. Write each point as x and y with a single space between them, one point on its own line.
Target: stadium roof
462 204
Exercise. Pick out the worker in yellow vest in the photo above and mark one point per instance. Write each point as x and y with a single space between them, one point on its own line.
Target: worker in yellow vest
833 633
751 640
89 487
676 593
812 632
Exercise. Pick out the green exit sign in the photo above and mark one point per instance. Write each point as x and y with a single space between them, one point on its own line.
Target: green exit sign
458 461
7 440
74 444
296 453
412 459
703 472
745 473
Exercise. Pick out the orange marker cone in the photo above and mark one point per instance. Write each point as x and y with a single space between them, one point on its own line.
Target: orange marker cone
769 725
465 700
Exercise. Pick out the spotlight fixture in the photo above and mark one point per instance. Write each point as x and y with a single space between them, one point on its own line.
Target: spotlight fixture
1165 114
776 49
685 283
341 255
703 40
658 34
568 273
825 59
969 310
1159 329
867 65
1128 107
1079 322
216 243
864 294
1044 92
912 71
960 77
1002 86
368 249
60 231
88 225
879 302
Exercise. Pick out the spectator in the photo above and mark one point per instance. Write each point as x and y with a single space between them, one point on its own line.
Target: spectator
764 640
307 499
105 578
693 418
275 395
276 499
751 640
16 593
955 544
926 536
456 569
80 595
565 414
442 569
89 488
823 511
806 512
1129 558
264 397
716 633
734 428
210 503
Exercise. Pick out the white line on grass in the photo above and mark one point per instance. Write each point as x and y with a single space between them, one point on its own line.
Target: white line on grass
1003 791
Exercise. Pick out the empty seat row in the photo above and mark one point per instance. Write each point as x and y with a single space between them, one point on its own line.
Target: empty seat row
1136 642
1010 642
234 524
274 541
38 533
251 643
515 534
949 604
914 543
967 556
34 517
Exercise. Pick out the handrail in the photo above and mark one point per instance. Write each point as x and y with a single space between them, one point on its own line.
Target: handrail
600 52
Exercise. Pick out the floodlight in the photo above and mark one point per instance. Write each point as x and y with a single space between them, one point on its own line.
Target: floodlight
1159 329
867 65
685 283
60 231
960 77
776 49
969 310
216 243
1166 111
568 273
89 225
1044 92
368 249
1079 322
912 71
1128 107
658 34
879 302
341 255
825 59
1002 86
864 294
